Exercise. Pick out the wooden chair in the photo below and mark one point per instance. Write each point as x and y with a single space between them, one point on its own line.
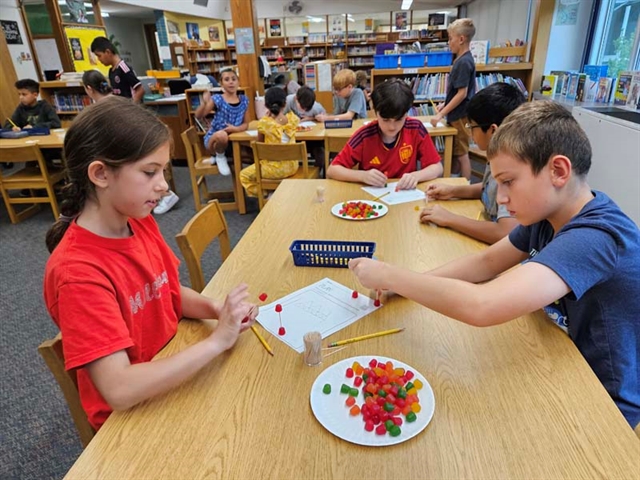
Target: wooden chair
479 159
34 176
332 145
51 352
278 153
198 170
204 227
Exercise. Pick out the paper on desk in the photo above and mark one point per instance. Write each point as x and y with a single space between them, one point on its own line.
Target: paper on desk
428 125
253 133
307 124
395 198
325 306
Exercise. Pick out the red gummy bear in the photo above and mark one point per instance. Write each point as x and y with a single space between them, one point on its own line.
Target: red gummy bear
278 308
263 297
281 331
376 303
354 294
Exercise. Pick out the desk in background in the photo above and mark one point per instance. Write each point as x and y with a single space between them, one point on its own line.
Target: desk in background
512 401
173 113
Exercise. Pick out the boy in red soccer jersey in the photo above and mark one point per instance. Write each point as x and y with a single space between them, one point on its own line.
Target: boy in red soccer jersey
389 147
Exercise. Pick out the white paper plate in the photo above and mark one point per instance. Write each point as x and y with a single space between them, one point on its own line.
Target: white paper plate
333 414
381 211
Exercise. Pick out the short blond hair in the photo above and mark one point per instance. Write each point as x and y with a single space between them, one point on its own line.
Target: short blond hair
463 27
344 78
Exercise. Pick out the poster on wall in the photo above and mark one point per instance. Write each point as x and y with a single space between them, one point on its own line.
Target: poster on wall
305 28
193 31
214 34
11 32
79 41
275 29
337 23
173 27
77 11
401 20
368 24
244 41
567 13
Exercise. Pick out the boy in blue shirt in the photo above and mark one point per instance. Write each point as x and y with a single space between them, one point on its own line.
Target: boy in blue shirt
460 88
579 253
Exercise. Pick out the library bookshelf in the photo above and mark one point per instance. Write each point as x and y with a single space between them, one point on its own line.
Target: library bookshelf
68 99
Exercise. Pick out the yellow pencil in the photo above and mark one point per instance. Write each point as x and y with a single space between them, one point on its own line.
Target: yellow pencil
380 196
11 122
262 340
365 337
433 105
479 215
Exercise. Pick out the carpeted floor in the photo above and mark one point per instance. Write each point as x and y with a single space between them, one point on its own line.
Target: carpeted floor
37 436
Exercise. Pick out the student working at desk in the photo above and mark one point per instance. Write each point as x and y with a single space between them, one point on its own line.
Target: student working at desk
111 283
231 115
487 109
389 147
579 254
31 112
349 102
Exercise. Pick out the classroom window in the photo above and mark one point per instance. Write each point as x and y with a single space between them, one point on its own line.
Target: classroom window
615 41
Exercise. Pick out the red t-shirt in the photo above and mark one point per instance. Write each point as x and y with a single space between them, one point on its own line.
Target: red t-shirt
108 295
366 149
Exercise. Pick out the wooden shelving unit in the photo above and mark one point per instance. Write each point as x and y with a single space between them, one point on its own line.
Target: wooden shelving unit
68 99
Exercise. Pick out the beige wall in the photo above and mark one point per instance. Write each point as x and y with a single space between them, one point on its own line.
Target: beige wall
203 24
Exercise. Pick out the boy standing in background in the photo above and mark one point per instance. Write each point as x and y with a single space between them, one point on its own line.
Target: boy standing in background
123 79
460 88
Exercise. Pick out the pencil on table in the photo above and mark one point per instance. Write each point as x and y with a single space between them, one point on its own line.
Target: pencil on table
479 217
262 340
365 337
380 196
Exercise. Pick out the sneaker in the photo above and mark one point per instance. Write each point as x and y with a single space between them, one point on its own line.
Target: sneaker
166 203
223 165
210 161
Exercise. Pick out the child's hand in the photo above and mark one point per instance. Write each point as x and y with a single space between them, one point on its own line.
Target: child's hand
16 129
27 126
233 311
438 191
437 215
409 181
370 273
374 177
322 117
206 96
434 120
439 107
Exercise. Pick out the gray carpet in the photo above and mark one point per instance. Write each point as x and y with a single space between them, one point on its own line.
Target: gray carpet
37 436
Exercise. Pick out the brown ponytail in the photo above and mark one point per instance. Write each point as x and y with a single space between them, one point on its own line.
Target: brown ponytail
114 131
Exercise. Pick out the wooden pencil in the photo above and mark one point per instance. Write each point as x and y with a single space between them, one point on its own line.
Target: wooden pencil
365 337
262 340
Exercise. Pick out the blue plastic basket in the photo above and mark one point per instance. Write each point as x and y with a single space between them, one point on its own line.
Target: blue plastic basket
38 131
338 124
439 59
385 61
408 60
328 253
9 133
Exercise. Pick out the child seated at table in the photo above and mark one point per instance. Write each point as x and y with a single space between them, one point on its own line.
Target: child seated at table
274 127
31 112
231 115
349 102
304 105
390 146
111 283
576 254
486 111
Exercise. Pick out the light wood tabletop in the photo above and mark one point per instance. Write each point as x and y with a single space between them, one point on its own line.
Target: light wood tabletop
513 401
318 132
54 140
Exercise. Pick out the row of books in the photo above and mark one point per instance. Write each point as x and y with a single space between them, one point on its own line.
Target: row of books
210 57
70 102
593 86
434 86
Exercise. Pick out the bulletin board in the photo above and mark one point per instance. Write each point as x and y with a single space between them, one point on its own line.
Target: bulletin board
79 43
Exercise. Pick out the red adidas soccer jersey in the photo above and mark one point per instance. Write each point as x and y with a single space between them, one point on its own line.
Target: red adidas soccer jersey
366 149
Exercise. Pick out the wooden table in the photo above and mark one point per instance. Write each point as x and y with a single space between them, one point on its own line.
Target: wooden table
319 133
512 401
53 140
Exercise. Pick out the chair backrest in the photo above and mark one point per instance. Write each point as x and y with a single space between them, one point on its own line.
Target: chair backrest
333 145
51 352
192 142
26 153
279 152
204 227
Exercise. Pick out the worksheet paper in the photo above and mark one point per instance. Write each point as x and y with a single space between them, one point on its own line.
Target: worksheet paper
325 306
395 198
307 124
428 125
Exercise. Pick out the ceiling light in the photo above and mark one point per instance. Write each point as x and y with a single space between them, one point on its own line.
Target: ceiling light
104 14
406 4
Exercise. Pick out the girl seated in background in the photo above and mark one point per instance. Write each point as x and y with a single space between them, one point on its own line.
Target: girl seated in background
274 127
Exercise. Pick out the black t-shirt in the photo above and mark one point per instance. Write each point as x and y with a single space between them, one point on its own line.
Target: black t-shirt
463 74
123 80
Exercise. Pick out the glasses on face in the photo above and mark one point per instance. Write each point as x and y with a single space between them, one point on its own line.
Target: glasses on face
338 90
471 126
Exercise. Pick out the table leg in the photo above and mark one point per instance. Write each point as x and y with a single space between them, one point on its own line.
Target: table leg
448 155
237 166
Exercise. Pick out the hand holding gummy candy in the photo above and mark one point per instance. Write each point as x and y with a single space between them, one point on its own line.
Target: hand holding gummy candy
233 312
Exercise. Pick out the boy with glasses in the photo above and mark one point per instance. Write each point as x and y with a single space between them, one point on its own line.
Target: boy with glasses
349 102
486 111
